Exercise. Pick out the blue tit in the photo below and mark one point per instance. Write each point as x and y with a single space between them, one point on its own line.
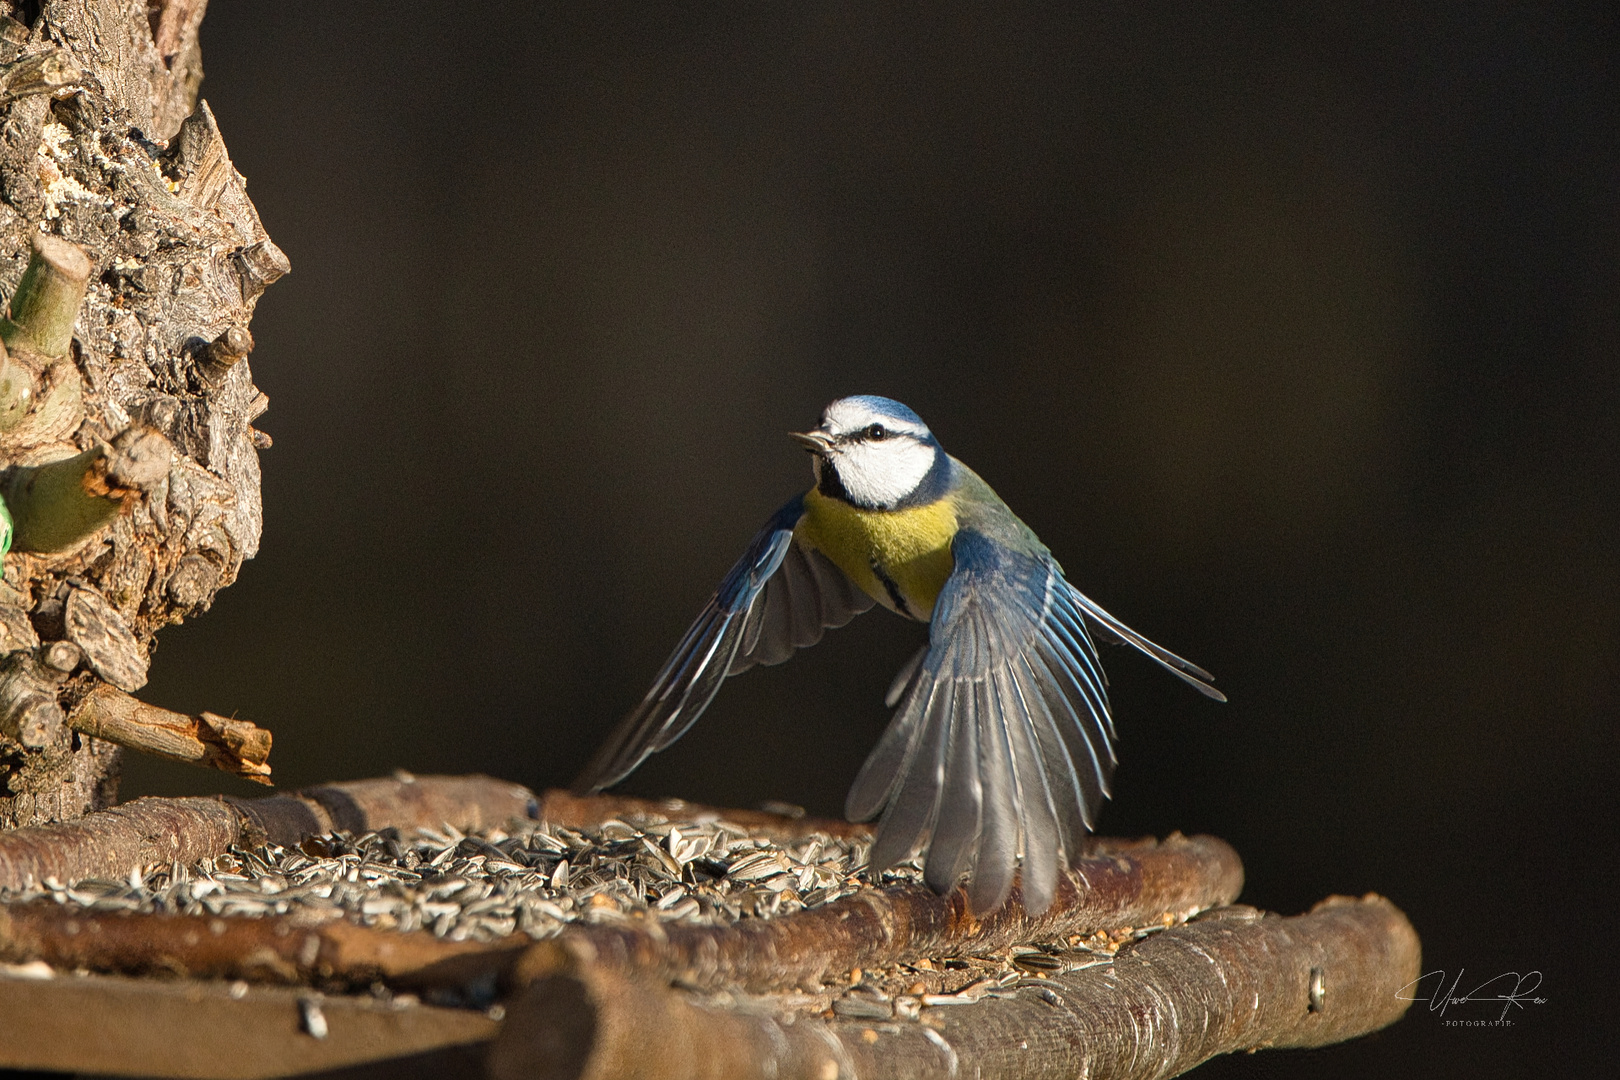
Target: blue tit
1002 744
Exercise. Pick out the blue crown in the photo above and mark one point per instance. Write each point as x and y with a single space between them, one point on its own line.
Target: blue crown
886 407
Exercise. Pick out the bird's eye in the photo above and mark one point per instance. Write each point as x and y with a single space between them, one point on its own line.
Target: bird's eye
877 433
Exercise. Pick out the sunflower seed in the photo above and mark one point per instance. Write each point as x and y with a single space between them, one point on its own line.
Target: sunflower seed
486 885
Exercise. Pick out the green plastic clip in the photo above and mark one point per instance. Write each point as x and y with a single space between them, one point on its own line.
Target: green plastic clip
5 532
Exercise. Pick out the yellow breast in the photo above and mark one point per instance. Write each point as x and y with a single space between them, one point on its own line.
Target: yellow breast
886 552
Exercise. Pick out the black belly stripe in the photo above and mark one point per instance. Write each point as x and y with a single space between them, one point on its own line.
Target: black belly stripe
894 591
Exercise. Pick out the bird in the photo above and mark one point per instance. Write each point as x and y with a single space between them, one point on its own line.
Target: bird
1001 747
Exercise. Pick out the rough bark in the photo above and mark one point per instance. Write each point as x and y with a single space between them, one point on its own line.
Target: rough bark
126 446
110 843
1121 884
1234 980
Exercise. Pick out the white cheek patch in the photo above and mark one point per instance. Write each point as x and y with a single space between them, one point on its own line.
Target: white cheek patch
881 474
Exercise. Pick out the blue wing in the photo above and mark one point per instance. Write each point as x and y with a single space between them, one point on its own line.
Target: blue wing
1003 742
779 597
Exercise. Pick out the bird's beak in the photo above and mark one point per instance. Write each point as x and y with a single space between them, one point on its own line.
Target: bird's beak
814 441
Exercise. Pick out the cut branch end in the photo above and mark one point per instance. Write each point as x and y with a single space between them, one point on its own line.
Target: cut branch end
45 306
56 506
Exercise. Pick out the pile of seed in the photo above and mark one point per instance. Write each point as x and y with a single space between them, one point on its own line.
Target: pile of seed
537 879
486 886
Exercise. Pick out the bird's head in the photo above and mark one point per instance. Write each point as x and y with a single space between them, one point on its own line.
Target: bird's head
874 453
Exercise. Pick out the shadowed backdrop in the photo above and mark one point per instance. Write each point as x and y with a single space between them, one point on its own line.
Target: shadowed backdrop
1292 332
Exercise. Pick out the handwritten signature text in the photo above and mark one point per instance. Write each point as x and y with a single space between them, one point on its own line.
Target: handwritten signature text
1511 989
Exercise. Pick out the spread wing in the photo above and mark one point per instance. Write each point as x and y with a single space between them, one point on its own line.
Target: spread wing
1003 741
779 597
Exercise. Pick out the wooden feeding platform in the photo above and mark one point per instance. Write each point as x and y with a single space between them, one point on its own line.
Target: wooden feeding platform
461 926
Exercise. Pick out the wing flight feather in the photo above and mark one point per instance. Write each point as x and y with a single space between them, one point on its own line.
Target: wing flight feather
779 597
1002 744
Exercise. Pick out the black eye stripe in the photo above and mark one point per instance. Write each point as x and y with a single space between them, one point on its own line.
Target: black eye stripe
875 433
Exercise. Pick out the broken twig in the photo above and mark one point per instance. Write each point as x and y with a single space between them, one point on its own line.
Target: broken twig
209 740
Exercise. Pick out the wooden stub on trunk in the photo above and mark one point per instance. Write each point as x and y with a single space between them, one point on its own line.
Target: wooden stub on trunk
1236 980
215 742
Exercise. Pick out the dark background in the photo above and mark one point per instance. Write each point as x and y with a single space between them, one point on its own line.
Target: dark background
1293 332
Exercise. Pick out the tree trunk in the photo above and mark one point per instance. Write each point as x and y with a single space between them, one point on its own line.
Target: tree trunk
131 259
